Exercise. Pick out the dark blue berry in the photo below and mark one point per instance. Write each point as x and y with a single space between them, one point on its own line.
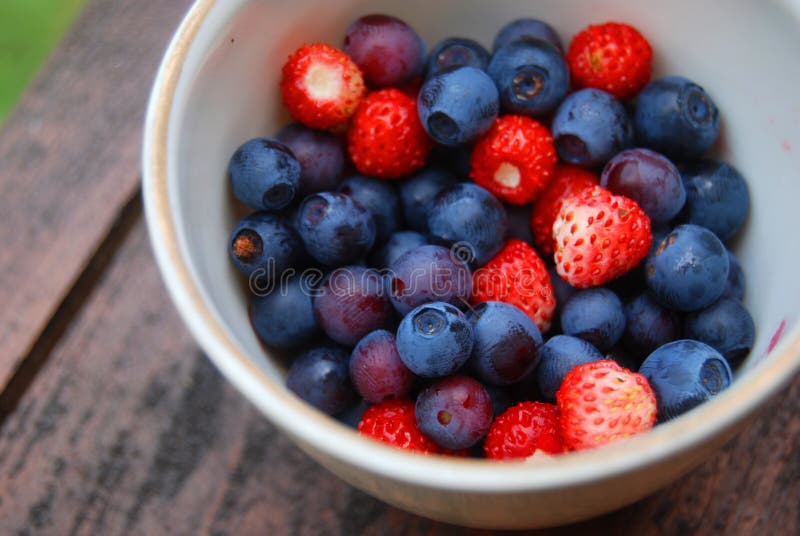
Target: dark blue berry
507 343
591 126
335 229
264 242
456 160
649 325
726 326
472 218
688 270
458 106
378 197
676 117
456 52
283 315
501 398
737 282
519 222
527 29
429 274
398 243
559 355
376 370
455 412
320 377
352 302
352 415
684 374
418 192
434 340
388 51
531 76
563 290
264 174
594 315
648 178
716 197
321 156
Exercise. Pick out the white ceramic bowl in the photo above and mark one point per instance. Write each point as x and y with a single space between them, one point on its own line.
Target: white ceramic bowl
218 86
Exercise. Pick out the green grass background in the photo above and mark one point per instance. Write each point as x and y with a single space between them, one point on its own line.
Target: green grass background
29 31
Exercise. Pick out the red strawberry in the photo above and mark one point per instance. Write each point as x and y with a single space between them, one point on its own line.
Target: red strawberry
515 159
601 402
321 86
523 430
393 422
612 57
517 276
386 138
567 180
599 236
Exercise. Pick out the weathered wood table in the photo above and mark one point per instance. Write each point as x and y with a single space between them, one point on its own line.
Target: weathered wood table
112 420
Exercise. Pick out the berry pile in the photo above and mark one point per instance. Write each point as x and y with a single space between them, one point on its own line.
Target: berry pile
494 254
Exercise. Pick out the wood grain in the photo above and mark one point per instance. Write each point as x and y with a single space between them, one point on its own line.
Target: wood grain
128 429
69 159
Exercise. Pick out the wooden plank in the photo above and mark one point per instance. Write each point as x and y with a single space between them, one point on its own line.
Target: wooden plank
68 160
128 429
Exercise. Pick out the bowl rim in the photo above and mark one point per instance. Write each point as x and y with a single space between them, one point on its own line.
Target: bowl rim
318 432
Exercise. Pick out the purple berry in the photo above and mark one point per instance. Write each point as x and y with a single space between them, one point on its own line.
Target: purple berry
559 355
352 302
265 242
321 156
429 274
376 370
264 174
649 325
455 412
594 315
726 326
648 178
506 345
387 50
380 199
320 377
398 244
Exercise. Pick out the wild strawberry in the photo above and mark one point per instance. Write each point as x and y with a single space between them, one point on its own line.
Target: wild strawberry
601 402
613 57
515 159
599 237
567 180
393 422
523 430
321 86
386 138
517 276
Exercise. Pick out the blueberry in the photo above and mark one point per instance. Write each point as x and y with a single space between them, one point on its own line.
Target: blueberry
683 374
335 229
648 178
418 192
716 197
434 340
559 355
387 50
735 285
265 242
591 126
352 415
501 398
376 370
649 325
527 29
726 326
594 315
456 160
455 412
320 377
519 222
456 52
352 302
398 243
264 174
428 274
458 106
506 345
284 316
688 270
321 156
378 197
531 76
472 218
676 117
563 290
